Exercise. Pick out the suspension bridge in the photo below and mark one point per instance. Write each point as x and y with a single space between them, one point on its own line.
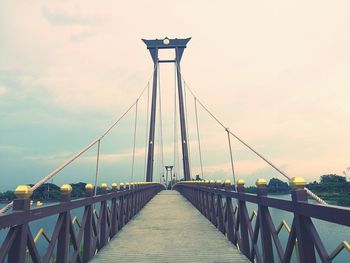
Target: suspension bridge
170 216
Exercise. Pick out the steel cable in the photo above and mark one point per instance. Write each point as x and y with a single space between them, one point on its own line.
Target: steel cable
309 192
97 165
133 150
76 156
198 137
146 140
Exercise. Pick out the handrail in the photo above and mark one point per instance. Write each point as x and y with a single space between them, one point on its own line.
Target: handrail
262 157
214 200
117 207
6 208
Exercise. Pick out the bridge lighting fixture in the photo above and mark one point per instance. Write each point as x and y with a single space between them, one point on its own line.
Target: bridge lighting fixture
166 41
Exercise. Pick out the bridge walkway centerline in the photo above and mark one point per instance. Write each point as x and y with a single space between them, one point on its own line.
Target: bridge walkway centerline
169 229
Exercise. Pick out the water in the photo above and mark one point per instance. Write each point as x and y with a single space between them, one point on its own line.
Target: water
331 234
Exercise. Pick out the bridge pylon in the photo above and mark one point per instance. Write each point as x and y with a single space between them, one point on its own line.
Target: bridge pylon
179 46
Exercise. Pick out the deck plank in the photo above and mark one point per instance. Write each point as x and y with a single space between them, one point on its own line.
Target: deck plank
169 229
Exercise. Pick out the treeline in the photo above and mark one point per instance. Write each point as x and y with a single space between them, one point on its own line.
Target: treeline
275 186
49 192
333 188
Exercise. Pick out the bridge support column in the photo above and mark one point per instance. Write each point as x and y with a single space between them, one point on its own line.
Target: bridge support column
88 251
220 210
103 219
243 222
230 217
17 251
305 243
150 155
263 221
184 141
121 217
179 46
114 213
63 236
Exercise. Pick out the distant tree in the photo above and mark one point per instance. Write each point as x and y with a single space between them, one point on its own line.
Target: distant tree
7 196
332 178
52 192
277 186
250 189
46 191
331 183
78 190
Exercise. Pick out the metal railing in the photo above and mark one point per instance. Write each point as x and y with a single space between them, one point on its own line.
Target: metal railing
68 243
259 240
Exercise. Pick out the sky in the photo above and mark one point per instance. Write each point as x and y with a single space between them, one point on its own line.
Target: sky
275 72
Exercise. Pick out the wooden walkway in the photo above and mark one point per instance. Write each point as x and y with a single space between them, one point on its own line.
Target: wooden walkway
169 229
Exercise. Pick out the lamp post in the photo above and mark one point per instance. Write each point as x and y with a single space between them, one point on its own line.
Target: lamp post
169 168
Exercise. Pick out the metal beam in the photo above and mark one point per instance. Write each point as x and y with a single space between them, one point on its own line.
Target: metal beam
150 155
153 46
184 141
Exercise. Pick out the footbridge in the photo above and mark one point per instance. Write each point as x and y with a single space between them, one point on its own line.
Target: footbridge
170 213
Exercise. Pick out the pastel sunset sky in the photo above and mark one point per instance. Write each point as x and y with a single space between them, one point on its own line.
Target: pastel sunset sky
277 73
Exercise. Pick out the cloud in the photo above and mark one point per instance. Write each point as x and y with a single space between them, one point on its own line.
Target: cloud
3 90
11 149
78 37
60 17
58 157
287 95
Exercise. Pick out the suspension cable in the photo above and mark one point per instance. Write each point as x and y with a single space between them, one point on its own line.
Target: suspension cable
82 151
175 122
146 140
186 127
97 166
72 159
230 149
308 191
198 137
133 150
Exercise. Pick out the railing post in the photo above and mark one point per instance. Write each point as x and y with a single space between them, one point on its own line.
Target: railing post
305 242
220 212
196 200
138 198
88 252
230 222
212 204
205 200
127 203
17 252
121 208
243 224
133 199
103 218
114 212
263 221
63 236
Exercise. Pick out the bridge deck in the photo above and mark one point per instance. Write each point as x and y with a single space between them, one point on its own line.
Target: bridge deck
169 229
